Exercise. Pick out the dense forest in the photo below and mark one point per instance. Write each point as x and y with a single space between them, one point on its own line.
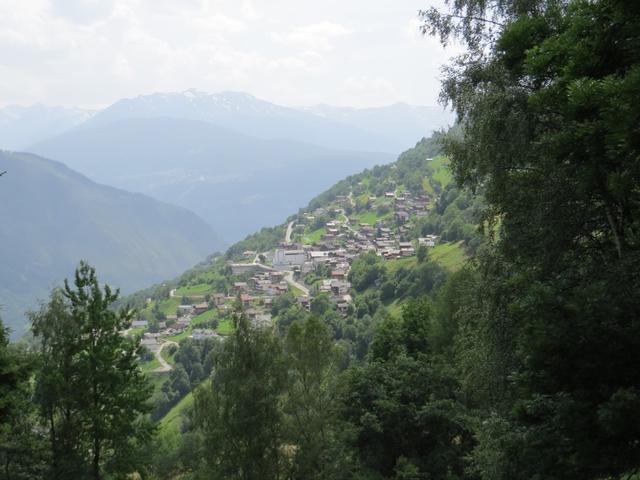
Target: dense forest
522 363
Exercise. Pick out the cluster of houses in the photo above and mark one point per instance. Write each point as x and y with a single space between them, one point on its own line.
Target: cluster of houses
342 242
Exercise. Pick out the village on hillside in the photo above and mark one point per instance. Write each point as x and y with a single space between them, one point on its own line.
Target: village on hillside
314 258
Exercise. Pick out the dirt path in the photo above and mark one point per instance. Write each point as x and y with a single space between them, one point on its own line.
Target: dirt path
164 365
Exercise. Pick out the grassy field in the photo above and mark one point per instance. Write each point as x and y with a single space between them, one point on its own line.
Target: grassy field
169 306
296 291
441 172
367 217
167 357
394 265
151 365
173 419
225 327
395 308
200 289
136 331
449 255
204 317
315 236
180 336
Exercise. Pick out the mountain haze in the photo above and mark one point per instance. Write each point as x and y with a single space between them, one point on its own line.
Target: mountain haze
52 217
399 124
247 114
236 182
22 126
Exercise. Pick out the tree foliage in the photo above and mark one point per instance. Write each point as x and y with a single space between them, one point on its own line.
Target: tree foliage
91 393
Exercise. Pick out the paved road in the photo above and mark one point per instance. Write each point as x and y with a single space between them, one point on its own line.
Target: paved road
164 365
289 279
287 236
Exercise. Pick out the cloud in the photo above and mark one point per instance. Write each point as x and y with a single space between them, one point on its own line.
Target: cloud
317 36
82 11
93 52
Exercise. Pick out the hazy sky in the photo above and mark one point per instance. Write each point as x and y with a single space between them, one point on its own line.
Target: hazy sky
294 52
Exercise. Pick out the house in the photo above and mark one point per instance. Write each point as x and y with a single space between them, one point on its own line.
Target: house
339 287
338 274
240 286
305 302
218 299
184 309
401 216
200 308
246 300
139 323
428 241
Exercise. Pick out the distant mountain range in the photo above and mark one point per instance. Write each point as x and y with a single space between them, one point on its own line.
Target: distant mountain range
238 183
392 128
23 126
52 217
237 161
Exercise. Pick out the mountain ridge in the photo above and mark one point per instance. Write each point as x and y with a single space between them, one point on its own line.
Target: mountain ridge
53 217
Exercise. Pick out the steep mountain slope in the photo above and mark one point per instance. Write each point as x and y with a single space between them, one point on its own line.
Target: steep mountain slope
341 232
23 126
400 124
52 217
246 114
236 182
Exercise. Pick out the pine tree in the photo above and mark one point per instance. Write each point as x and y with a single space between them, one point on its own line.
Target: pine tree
92 395
239 411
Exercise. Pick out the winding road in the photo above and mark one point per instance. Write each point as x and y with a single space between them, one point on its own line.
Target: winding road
287 236
164 365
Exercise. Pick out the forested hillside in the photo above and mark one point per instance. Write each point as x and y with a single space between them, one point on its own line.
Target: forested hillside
53 217
469 312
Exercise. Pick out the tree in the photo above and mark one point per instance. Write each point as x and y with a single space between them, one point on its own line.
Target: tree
310 406
239 412
22 447
91 392
547 102
403 407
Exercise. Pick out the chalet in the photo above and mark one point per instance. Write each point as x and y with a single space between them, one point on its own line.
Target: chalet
339 287
401 216
184 309
406 249
246 300
183 322
428 241
305 302
139 323
218 299
240 286
200 308
338 274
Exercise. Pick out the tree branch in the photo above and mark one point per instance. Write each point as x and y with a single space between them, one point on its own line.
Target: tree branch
477 19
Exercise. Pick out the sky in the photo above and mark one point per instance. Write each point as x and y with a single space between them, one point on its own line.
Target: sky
90 53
